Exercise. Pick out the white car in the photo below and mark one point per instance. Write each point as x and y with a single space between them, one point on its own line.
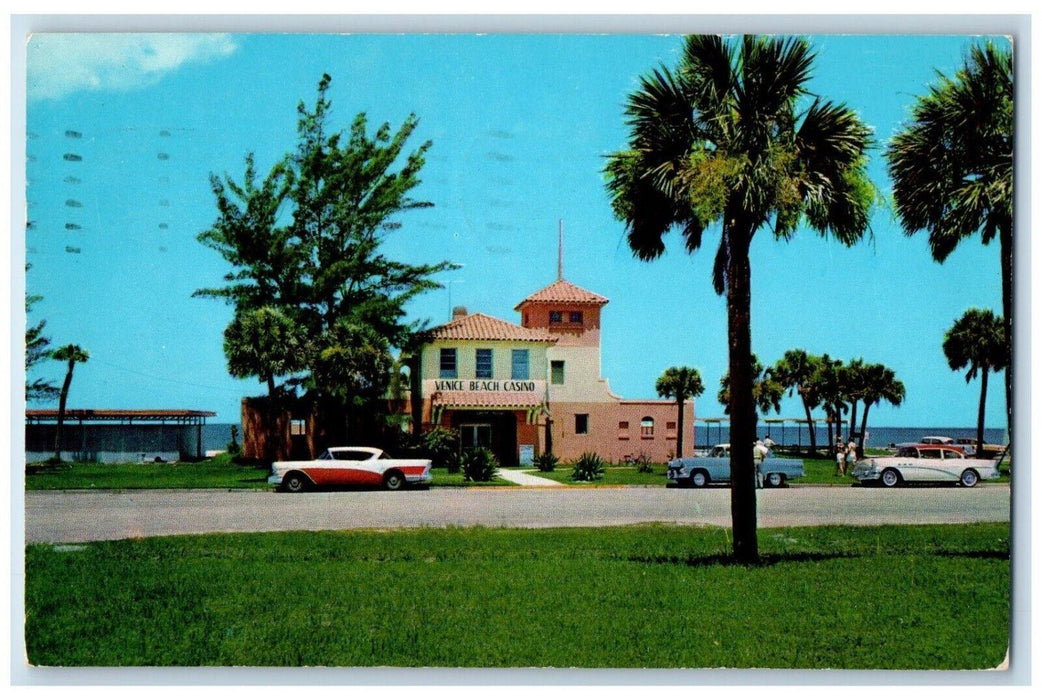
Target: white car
925 463
350 466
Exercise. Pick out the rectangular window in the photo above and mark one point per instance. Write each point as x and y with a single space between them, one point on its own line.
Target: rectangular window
575 317
483 363
556 317
557 371
519 364
582 423
448 363
298 426
671 430
624 430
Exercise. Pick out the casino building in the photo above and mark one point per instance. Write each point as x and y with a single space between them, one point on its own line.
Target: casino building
522 390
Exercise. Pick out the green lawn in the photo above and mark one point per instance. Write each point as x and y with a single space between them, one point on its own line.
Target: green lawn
894 597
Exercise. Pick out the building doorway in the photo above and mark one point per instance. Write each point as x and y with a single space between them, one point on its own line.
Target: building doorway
494 430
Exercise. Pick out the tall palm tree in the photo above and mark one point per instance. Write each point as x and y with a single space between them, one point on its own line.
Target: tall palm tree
978 339
852 377
952 167
880 384
70 354
680 384
830 389
722 139
794 372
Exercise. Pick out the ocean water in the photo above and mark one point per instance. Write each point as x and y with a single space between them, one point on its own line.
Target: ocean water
877 437
217 435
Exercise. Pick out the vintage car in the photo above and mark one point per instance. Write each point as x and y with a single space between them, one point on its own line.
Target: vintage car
716 468
350 466
925 462
969 446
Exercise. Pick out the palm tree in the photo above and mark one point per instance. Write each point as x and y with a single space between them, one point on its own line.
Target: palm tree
952 167
794 372
721 139
829 388
880 384
264 343
852 377
978 339
71 354
680 384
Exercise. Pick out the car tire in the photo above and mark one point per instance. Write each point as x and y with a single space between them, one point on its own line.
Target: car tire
295 482
774 480
394 481
890 478
699 478
969 478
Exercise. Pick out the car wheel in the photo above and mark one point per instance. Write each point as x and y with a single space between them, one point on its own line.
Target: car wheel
699 479
969 478
394 481
890 477
295 483
775 480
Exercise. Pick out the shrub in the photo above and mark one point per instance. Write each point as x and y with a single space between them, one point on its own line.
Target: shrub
441 445
590 467
546 462
479 464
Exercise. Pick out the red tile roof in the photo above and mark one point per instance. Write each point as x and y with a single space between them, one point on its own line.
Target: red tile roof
487 399
482 327
564 292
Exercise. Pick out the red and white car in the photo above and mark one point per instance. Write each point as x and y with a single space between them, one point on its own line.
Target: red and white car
350 466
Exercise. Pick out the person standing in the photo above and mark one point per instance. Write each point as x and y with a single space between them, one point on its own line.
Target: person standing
759 454
841 458
851 452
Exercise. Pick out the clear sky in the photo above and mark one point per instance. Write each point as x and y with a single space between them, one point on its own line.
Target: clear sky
520 125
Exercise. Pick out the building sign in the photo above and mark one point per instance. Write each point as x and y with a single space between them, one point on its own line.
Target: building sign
484 385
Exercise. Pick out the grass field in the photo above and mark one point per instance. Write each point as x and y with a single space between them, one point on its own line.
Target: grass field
894 597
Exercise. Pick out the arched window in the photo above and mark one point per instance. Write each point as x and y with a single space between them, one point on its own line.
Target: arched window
647 428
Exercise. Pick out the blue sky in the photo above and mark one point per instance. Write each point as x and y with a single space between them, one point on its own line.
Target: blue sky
520 125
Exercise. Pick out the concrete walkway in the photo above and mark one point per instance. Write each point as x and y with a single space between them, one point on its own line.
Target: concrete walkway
525 478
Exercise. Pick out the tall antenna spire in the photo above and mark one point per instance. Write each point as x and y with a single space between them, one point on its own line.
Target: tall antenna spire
560 249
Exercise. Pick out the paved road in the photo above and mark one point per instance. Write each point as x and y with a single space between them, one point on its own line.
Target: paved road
82 516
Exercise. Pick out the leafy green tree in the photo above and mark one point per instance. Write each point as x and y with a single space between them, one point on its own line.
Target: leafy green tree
794 372
977 340
306 245
879 384
71 354
264 343
952 167
680 384
734 136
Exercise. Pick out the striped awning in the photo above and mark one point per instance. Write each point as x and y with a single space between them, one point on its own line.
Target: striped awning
527 401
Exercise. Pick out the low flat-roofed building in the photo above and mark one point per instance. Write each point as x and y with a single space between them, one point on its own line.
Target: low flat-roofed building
116 436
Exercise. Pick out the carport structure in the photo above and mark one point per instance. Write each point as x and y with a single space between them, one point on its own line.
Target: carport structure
116 436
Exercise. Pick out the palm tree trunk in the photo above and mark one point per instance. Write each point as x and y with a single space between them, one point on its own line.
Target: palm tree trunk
980 409
853 418
864 426
742 408
680 427
59 429
1006 251
810 429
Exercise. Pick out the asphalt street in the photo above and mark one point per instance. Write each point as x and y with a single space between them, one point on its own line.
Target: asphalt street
83 516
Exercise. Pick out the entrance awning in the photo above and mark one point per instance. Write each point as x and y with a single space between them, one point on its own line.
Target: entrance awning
527 401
